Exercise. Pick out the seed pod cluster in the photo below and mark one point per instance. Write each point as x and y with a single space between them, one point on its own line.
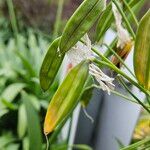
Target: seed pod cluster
66 97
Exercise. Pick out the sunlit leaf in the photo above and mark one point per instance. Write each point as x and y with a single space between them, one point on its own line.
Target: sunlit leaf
22 121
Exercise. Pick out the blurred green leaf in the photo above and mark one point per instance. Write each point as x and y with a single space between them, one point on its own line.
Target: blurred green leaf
12 147
12 91
29 67
138 145
35 102
25 143
22 121
34 129
6 139
9 104
3 112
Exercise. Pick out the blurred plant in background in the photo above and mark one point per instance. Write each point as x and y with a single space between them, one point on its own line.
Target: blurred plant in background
22 102
19 72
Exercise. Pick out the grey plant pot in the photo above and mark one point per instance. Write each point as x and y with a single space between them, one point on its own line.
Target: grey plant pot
115 119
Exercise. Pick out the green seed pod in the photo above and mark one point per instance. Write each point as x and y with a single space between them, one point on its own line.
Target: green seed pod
107 18
142 52
80 22
104 23
66 97
50 65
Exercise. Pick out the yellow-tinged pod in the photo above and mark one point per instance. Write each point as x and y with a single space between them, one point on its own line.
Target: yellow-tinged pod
66 97
123 53
142 52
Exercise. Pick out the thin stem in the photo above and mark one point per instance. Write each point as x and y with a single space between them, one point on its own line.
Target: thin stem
108 63
148 99
69 132
47 142
125 19
108 53
120 59
112 66
135 97
113 92
132 13
58 129
12 17
56 132
58 18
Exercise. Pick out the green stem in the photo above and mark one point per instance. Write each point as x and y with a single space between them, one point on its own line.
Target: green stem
108 53
120 59
69 132
12 17
58 18
135 97
125 19
132 13
137 144
113 92
148 99
58 129
56 132
112 66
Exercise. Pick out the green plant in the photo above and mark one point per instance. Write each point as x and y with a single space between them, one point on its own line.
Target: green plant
22 101
75 43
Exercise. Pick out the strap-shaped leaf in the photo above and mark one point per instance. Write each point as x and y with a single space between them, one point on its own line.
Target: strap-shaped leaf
22 121
66 97
142 52
80 22
34 130
12 91
50 65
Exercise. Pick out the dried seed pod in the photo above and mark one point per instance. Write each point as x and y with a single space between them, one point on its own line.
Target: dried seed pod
142 52
66 97
80 22
50 65
123 53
